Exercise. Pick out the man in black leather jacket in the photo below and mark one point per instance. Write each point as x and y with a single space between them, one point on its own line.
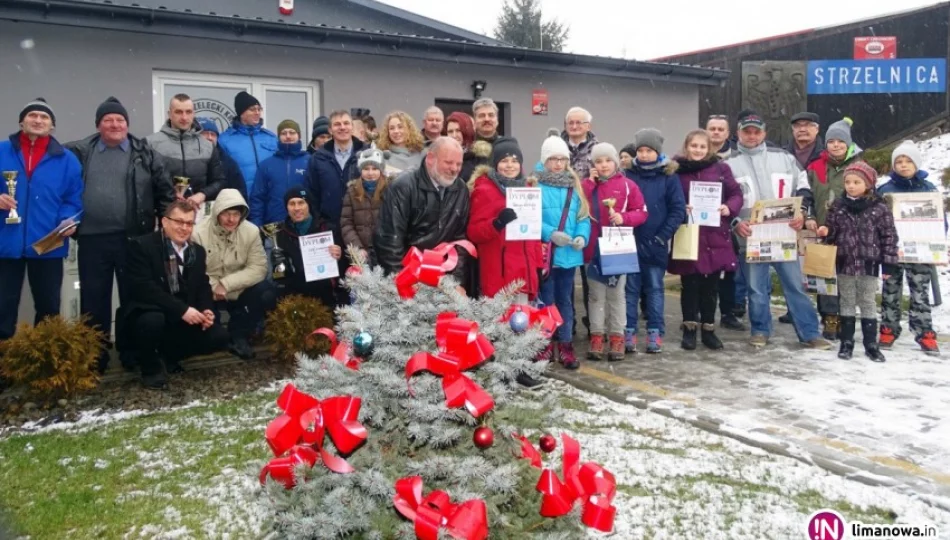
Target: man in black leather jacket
424 208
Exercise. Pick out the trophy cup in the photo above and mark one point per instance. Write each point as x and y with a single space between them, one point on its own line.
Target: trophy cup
182 185
278 258
10 177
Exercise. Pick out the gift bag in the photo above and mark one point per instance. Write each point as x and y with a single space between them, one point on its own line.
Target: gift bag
618 251
820 260
686 241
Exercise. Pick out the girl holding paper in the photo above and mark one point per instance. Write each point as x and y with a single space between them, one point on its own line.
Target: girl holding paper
699 164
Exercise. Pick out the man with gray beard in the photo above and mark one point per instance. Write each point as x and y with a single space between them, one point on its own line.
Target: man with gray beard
425 207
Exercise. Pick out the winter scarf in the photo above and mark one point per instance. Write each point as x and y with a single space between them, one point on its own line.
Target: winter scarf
561 179
504 183
689 166
303 226
661 161
859 204
370 187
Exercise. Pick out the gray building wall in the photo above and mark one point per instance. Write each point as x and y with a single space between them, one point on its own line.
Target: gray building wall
75 69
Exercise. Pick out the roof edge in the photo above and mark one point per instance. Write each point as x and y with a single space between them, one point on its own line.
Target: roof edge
394 11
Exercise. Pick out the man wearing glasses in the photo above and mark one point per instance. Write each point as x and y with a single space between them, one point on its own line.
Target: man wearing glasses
579 139
171 308
247 141
807 145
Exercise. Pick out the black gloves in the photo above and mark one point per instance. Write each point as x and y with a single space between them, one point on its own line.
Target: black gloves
505 217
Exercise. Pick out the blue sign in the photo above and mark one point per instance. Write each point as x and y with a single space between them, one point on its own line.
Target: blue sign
901 76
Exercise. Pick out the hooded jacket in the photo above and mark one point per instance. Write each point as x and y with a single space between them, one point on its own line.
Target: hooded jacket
500 261
629 203
249 146
150 187
236 259
553 199
328 180
285 169
826 180
51 194
187 153
666 205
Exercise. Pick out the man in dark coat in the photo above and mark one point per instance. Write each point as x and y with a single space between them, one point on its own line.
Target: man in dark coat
424 208
170 308
333 166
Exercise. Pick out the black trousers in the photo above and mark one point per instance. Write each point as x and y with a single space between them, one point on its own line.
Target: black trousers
175 340
102 256
727 293
249 309
46 283
699 296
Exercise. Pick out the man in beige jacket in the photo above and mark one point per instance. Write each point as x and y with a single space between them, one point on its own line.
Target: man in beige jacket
237 268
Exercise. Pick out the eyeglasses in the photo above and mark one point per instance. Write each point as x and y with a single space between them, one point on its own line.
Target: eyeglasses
558 159
576 123
182 223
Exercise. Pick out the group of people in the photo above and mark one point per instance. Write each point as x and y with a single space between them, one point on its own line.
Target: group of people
191 222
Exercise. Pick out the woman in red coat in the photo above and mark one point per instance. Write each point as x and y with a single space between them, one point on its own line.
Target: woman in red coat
501 261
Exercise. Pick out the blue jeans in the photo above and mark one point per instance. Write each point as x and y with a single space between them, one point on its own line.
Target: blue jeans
558 290
742 290
649 280
804 315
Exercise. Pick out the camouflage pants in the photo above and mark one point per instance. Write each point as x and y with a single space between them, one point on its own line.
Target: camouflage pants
918 281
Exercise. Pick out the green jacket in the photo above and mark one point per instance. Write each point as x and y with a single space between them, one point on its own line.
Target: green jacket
826 179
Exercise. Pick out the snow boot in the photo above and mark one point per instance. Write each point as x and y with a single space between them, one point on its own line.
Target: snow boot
887 338
831 326
546 354
847 337
568 358
596 350
654 341
928 343
617 349
709 338
871 350
630 341
689 336
730 322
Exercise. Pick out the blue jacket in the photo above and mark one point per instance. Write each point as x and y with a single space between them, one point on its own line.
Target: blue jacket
552 206
916 184
52 194
666 210
278 173
328 180
249 146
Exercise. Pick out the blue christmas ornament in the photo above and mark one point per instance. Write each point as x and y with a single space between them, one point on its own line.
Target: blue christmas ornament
518 322
363 344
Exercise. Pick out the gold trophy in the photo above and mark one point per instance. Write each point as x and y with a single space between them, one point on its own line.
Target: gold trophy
10 177
277 254
182 185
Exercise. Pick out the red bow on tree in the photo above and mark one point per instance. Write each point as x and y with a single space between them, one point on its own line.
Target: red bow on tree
549 318
429 266
299 433
461 347
339 350
590 482
466 521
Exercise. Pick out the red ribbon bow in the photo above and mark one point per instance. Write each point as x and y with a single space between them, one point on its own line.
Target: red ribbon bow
548 318
429 266
300 430
339 350
461 347
466 521
590 482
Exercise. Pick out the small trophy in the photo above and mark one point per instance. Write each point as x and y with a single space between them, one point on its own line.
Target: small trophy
610 203
10 177
182 185
277 254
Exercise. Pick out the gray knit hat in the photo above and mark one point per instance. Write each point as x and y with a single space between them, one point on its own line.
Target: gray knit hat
606 150
651 138
840 130
372 156
38 104
909 149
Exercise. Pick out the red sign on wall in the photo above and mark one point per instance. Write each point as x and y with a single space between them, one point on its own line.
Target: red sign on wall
539 102
875 48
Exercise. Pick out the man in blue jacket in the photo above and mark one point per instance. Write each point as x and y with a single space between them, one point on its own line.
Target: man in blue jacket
277 174
247 141
233 178
48 195
332 166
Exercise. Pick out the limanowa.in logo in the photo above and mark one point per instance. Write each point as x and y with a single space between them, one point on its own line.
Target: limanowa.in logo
830 525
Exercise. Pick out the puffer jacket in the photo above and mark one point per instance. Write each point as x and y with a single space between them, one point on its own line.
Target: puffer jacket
580 154
359 217
151 188
278 173
826 180
236 259
188 154
500 261
663 195
864 231
328 180
716 253
415 215
629 203
249 146
53 193
553 199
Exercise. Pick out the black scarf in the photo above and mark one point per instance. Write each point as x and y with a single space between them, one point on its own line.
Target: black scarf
689 165
856 206
504 183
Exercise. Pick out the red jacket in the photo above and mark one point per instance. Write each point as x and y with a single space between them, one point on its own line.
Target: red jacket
500 261
629 204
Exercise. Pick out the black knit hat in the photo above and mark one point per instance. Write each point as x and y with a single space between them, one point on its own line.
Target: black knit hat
504 147
38 104
244 101
321 126
298 192
111 106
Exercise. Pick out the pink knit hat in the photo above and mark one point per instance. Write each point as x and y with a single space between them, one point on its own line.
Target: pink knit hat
863 171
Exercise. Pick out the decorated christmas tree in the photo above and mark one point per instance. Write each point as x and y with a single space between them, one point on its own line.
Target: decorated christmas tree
410 426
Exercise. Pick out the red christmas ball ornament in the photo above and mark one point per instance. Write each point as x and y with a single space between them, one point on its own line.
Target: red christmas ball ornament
354 271
548 443
484 437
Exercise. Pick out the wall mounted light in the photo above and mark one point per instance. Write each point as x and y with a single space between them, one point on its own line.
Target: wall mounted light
478 87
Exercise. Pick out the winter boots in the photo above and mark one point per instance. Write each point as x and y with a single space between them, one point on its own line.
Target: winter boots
566 352
617 350
887 338
847 337
546 354
928 343
689 336
709 338
630 341
654 341
871 350
596 350
831 325
730 322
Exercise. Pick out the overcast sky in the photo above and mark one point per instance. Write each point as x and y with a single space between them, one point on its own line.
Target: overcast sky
648 29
